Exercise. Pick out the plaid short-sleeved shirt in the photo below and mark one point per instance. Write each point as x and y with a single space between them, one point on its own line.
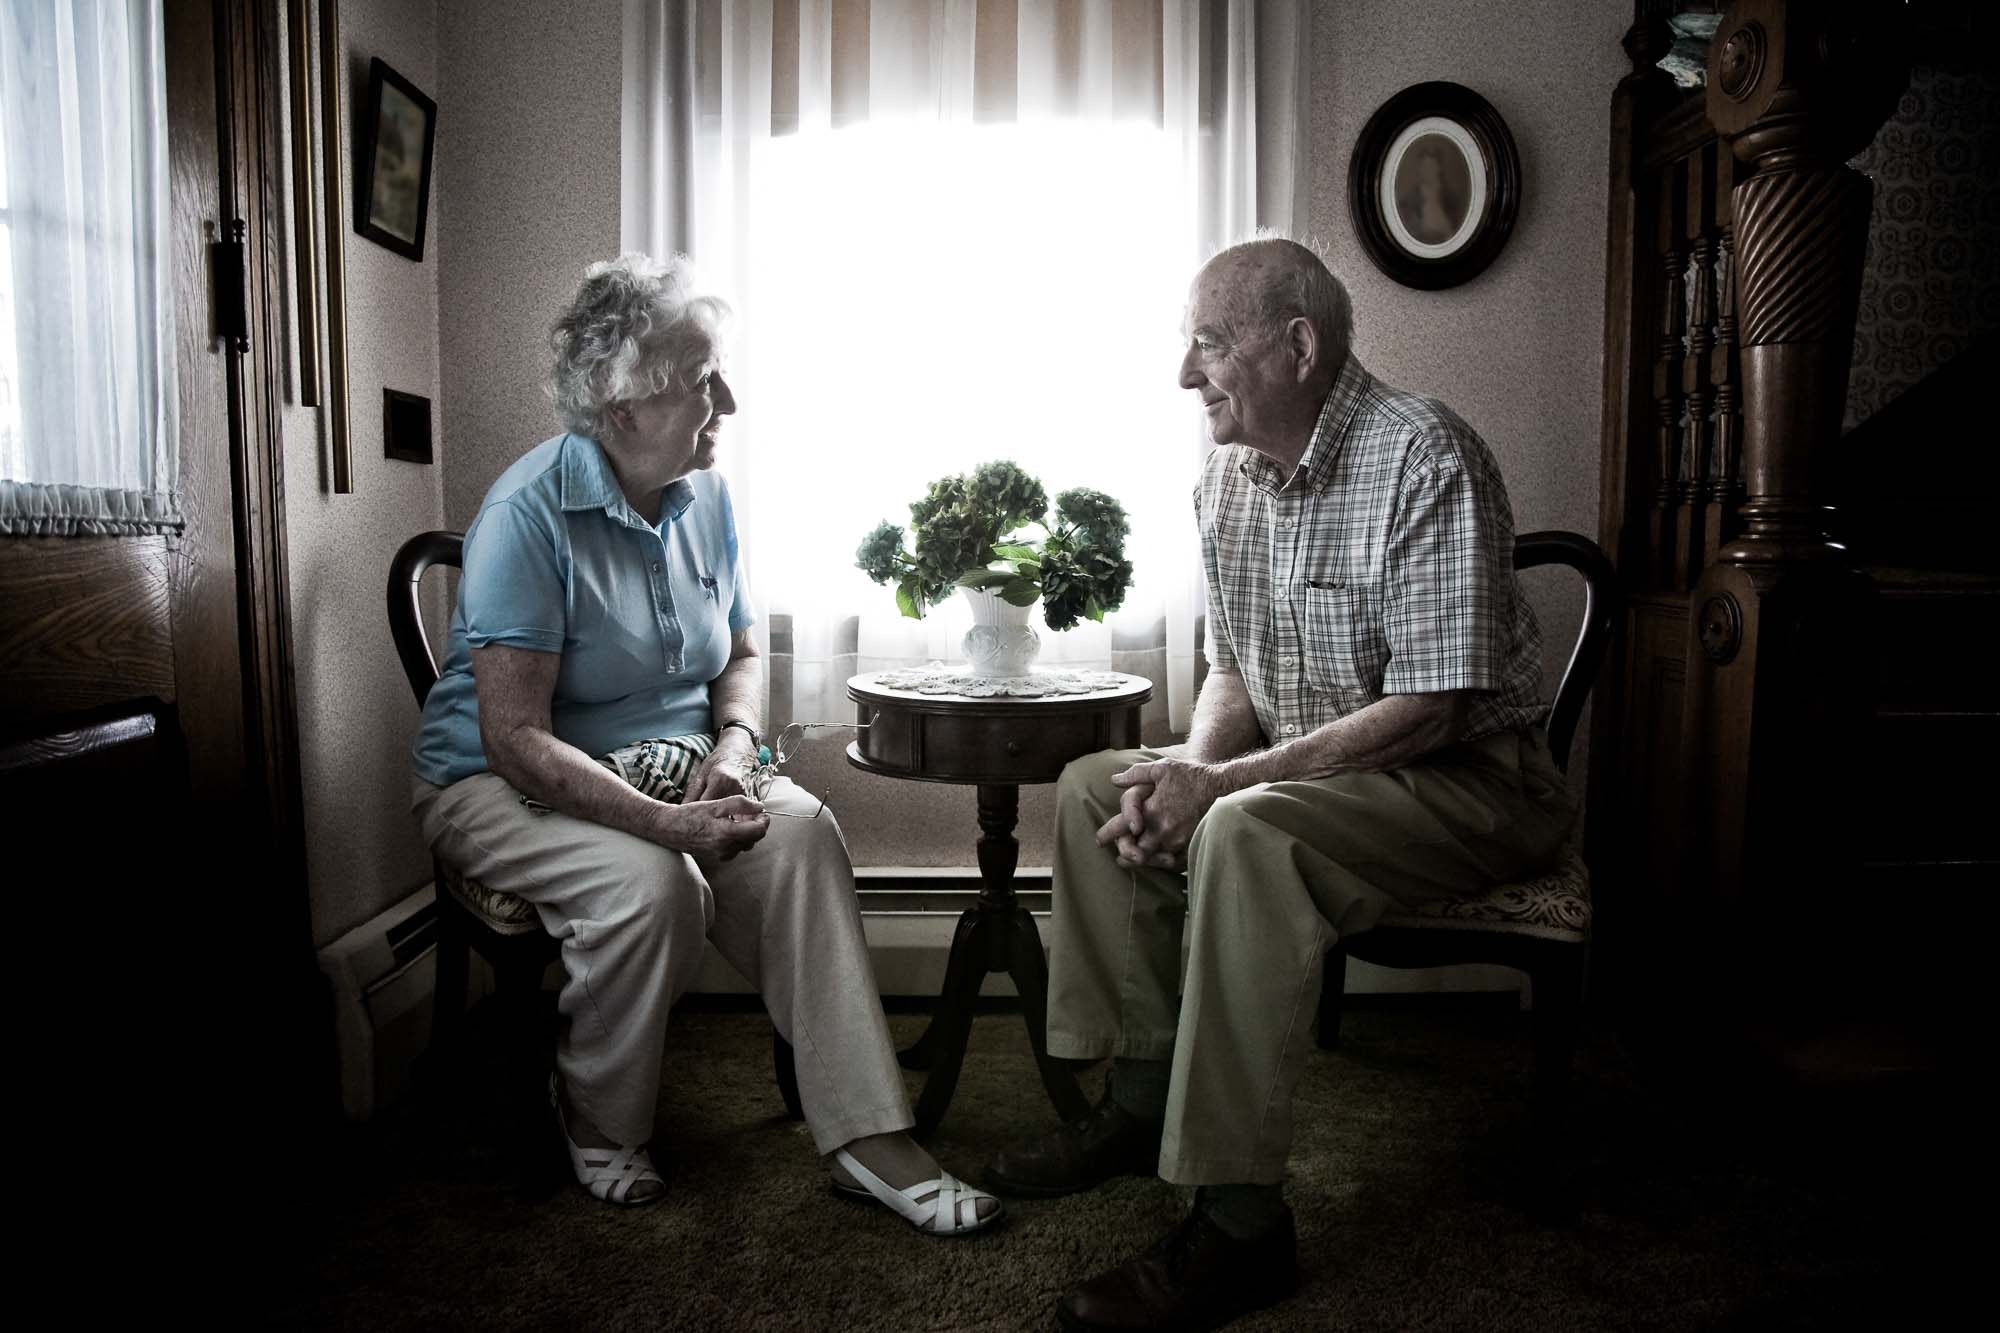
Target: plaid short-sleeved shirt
1384 564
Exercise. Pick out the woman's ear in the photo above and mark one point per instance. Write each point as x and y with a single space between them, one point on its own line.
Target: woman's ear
619 415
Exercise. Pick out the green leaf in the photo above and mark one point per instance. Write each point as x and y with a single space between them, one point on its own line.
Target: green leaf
1092 609
906 600
1029 569
984 578
1020 592
1012 552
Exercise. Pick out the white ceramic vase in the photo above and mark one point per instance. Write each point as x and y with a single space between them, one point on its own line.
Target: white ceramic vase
1002 640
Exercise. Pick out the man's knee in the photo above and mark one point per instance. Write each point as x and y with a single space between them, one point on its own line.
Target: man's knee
1241 829
1088 780
1235 816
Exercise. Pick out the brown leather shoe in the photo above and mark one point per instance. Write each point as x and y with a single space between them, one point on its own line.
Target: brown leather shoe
1196 1278
1109 1141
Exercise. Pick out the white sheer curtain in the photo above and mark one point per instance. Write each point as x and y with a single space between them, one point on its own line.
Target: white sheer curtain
956 231
88 419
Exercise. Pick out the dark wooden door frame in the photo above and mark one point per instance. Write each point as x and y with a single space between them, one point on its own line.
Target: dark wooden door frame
252 182
270 900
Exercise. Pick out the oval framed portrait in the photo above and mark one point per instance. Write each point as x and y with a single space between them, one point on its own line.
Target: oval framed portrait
1433 185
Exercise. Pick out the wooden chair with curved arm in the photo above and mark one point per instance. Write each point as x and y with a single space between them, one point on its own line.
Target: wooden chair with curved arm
1540 926
503 928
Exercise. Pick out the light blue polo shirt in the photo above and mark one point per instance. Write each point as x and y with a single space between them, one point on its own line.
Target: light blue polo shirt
557 562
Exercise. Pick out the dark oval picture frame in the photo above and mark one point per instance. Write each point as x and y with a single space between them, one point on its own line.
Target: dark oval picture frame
1434 185
392 160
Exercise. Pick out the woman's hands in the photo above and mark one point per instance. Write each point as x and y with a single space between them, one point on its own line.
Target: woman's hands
727 769
711 831
717 816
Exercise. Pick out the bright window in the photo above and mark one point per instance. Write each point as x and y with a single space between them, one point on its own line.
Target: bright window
88 404
928 298
13 457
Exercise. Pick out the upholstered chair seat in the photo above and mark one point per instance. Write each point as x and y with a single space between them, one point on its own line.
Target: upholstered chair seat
1551 906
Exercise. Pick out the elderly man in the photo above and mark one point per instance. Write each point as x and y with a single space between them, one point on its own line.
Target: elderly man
1367 739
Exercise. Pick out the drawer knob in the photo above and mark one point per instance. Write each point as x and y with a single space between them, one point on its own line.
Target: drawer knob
1013 747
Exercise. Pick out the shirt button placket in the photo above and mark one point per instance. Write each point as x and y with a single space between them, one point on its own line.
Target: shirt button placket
663 611
1290 630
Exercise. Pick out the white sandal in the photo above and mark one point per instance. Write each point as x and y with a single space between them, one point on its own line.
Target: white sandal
946 1206
608 1173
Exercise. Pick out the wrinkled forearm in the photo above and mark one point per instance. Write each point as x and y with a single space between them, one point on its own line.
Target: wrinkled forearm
1387 734
737 693
538 765
1224 725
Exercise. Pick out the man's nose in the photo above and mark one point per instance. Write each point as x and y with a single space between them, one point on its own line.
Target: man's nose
1191 376
725 400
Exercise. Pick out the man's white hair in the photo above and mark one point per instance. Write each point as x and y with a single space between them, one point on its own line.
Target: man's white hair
1296 282
636 326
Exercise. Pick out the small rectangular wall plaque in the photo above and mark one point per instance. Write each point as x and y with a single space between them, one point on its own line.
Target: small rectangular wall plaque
406 426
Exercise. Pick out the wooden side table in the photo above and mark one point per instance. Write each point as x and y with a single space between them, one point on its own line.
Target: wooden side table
995 744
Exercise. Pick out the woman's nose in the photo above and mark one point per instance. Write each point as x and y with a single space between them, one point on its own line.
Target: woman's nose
725 400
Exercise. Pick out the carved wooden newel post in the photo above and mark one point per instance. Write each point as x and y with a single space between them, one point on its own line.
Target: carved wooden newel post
1778 661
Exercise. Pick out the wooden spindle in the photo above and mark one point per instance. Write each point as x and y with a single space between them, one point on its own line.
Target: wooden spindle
1721 474
1724 481
1701 303
1668 396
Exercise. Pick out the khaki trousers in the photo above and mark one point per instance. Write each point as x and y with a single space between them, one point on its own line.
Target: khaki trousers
632 916
1276 874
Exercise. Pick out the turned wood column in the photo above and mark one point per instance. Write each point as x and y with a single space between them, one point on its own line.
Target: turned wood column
1796 89
1778 655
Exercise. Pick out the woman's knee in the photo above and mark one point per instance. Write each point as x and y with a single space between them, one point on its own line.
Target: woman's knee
818 851
650 889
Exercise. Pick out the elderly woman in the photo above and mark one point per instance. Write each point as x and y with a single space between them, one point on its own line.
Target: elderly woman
602 603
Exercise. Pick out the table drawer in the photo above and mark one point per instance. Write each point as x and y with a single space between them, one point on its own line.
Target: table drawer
987 748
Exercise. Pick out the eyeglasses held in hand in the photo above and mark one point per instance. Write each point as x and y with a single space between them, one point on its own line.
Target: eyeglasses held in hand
790 740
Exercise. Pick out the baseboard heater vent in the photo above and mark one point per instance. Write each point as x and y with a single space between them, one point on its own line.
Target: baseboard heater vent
383 975
940 890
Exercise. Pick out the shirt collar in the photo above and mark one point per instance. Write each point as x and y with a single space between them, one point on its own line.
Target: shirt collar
1316 465
589 483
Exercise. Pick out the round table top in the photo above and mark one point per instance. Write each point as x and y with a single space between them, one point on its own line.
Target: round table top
1129 690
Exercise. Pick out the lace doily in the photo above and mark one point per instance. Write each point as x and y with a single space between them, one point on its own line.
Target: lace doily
937 678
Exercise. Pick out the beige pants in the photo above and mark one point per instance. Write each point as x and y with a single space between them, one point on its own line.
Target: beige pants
632 917
1276 874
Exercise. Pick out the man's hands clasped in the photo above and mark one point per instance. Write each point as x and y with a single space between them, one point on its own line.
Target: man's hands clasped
1162 801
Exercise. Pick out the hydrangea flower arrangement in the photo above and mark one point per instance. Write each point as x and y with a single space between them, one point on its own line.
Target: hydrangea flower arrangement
965 533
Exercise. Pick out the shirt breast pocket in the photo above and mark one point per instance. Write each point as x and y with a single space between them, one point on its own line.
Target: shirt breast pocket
1345 649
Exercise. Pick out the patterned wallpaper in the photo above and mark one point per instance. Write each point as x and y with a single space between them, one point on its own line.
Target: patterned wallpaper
1931 283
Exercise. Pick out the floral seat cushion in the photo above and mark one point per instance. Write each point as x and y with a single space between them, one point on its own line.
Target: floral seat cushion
1553 906
660 768
502 912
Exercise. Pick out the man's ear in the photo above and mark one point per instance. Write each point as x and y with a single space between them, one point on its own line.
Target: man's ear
1303 339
